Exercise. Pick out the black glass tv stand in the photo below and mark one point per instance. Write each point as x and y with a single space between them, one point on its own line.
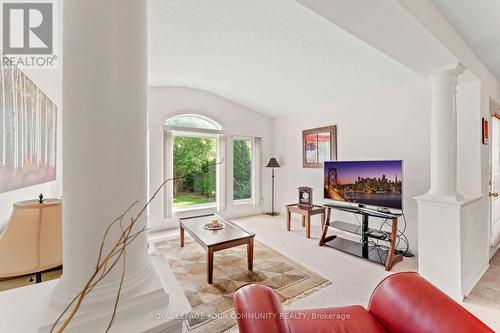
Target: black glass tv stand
363 248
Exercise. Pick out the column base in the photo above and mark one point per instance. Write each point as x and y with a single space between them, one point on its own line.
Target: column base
442 197
451 236
137 312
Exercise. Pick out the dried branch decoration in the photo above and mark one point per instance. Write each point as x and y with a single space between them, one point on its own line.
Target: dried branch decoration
107 261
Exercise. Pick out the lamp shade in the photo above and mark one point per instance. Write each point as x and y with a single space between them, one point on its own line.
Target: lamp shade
273 163
32 241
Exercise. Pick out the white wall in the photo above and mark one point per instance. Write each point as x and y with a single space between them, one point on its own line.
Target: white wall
387 123
469 139
237 120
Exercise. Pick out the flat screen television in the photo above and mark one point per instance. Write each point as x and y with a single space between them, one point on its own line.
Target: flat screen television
375 183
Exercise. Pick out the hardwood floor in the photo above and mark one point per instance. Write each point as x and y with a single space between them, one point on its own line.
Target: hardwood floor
21 281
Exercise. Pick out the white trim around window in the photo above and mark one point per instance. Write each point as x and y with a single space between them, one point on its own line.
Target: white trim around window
168 166
254 200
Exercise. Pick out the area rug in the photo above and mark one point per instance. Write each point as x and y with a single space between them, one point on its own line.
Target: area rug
213 309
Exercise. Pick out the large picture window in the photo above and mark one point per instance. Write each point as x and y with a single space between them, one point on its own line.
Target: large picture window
193 145
191 156
242 169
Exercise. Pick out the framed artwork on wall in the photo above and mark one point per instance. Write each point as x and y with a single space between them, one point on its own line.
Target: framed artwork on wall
485 131
28 132
318 146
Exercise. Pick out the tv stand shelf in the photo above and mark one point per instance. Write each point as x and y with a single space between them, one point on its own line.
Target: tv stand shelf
375 254
362 249
358 230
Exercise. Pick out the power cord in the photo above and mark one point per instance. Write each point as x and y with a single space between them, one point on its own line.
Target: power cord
401 237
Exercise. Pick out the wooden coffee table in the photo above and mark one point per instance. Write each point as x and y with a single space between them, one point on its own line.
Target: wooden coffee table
230 236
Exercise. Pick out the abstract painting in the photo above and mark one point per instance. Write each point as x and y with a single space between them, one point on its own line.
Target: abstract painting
28 129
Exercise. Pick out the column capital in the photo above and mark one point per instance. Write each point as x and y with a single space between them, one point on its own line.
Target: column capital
444 79
451 69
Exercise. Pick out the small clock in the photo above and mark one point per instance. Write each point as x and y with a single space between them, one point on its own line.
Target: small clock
305 197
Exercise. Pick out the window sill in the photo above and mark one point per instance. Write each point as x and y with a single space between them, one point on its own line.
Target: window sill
194 208
242 202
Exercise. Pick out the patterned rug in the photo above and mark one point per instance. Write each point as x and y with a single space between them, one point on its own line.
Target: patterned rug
213 309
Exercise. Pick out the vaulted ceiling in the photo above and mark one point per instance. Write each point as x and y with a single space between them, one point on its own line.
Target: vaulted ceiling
479 24
273 56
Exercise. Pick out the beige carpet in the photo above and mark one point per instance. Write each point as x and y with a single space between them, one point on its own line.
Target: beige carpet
213 309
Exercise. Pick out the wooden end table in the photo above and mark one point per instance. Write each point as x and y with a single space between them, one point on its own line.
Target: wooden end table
215 240
306 213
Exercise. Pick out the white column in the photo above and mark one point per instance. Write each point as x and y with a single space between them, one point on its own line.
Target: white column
448 254
104 131
104 160
444 133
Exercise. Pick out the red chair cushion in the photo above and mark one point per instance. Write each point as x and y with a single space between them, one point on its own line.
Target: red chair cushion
259 310
346 319
406 302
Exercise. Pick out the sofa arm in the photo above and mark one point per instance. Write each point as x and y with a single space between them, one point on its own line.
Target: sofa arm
258 310
406 302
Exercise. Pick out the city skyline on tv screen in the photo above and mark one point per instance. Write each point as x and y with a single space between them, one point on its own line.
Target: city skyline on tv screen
377 183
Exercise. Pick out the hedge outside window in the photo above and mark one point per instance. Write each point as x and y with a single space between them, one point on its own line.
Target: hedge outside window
242 169
192 154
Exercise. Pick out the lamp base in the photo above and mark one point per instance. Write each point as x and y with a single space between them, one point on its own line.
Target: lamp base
273 214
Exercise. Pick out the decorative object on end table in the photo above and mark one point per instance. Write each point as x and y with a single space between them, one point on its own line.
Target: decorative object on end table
273 163
305 197
319 145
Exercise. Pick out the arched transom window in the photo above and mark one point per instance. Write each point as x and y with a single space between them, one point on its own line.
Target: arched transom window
194 121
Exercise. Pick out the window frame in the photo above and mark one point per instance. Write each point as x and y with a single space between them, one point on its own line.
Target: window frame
255 199
169 132
193 134
250 200
216 124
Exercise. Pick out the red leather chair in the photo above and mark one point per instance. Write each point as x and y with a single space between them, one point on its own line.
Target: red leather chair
403 302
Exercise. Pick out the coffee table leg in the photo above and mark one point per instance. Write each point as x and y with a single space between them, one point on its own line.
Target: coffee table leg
182 236
303 221
250 254
210 265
